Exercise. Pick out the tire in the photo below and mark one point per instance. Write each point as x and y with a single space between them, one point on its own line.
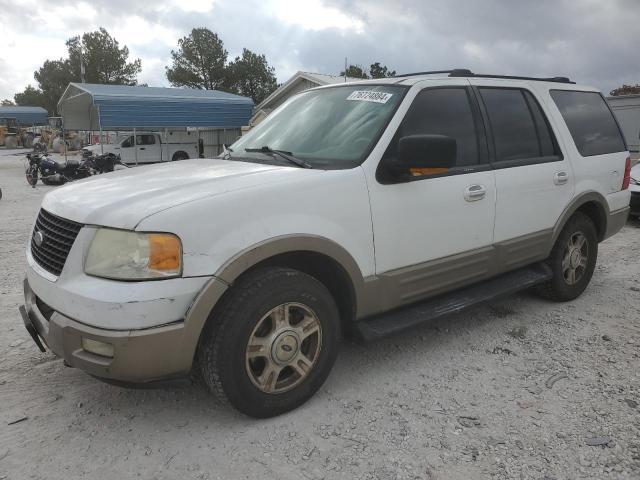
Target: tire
563 287
32 176
242 375
180 156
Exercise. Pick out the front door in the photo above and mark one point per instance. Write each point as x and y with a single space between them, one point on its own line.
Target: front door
433 231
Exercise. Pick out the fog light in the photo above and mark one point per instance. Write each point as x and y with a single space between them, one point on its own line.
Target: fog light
97 348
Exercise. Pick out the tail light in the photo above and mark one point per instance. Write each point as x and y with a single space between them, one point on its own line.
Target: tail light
627 174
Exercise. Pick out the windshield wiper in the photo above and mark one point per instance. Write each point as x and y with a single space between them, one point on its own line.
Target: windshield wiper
281 153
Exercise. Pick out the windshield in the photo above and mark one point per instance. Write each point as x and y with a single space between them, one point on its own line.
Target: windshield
328 128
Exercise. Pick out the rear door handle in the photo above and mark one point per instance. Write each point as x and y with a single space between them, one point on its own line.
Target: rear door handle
560 178
142 148
473 193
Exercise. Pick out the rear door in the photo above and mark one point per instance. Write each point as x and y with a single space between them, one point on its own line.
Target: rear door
534 180
148 148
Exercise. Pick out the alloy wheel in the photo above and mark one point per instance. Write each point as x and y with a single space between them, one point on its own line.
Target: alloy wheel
283 348
574 261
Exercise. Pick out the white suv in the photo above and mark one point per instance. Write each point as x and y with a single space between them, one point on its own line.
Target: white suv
357 209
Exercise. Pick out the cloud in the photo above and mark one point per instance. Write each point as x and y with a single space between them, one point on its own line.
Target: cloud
590 41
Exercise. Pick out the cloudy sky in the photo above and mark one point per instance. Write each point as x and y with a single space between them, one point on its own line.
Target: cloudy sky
592 41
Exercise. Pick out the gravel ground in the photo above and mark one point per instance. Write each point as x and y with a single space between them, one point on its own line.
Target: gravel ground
521 388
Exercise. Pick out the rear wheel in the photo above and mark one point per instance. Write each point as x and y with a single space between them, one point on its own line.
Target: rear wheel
272 343
572 260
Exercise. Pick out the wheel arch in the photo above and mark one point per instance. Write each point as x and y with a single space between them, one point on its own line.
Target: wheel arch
592 204
179 155
319 257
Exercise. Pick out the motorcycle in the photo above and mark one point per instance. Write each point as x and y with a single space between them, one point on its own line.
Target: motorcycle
54 173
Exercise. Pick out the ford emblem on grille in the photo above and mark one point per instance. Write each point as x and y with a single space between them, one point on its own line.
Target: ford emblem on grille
38 238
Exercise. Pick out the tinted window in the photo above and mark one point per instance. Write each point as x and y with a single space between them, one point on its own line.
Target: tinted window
443 111
591 123
514 130
546 140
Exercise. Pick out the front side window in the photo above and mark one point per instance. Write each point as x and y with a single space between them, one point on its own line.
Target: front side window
442 111
590 122
128 143
520 129
333 127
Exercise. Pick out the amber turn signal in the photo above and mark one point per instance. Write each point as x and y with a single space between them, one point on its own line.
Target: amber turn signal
164 252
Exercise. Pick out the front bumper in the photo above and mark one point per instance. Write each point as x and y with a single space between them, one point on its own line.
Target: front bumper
139 356
634 204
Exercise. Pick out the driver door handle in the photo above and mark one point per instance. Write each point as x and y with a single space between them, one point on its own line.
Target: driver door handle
473 193
142 148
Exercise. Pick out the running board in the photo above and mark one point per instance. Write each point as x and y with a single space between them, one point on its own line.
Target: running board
396 321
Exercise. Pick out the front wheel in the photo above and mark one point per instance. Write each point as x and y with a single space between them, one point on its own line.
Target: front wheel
32 176
572 260
271 344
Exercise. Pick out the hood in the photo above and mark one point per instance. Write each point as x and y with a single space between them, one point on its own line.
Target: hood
123 198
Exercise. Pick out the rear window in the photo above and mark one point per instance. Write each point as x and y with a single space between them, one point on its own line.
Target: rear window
590 121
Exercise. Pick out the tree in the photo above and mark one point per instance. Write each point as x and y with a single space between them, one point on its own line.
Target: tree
104 60
6 103
626 90
250 75
53 78
380 71
30 97
354 71
199 61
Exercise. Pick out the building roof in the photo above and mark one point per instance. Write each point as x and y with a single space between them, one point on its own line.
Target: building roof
318 78
25 115
94 106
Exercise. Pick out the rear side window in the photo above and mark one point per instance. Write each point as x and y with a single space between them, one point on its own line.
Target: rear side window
520 129
146 139
443 111
590 121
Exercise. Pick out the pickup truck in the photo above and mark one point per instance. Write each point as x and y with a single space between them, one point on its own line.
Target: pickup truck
150 146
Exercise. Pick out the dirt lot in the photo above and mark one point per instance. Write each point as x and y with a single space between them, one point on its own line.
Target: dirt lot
522 388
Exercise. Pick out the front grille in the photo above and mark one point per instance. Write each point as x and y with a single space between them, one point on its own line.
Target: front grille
57 238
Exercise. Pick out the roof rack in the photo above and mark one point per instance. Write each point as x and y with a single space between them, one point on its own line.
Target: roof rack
463 72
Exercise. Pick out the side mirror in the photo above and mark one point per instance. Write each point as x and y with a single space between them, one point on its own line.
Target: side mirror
426 152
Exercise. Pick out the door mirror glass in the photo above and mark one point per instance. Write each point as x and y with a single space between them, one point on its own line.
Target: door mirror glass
421 152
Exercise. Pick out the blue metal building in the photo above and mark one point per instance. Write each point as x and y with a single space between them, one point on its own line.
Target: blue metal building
25 116
86 106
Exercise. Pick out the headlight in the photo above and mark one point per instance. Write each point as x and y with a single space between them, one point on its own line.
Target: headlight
126 255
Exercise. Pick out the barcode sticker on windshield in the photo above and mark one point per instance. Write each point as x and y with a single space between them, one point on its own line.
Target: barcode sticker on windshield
370 96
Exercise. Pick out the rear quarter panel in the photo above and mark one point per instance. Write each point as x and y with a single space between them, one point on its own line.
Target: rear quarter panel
598 173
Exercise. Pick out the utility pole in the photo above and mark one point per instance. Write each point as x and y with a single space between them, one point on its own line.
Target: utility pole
345 69
81 63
